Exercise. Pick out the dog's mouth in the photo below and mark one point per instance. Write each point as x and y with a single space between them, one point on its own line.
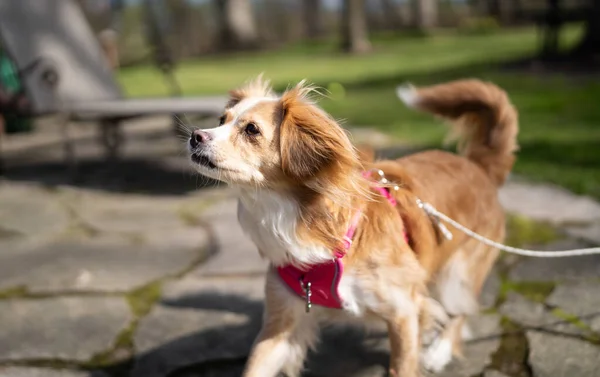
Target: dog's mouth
201 159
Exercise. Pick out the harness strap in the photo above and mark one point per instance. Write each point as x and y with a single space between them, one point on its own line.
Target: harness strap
349 236
318 284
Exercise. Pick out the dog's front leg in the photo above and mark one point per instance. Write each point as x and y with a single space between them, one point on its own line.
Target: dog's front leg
404 342
286 334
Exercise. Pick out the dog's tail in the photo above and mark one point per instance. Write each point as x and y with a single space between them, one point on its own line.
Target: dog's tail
486 122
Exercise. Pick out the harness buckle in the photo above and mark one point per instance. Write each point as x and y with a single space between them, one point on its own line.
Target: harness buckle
307 294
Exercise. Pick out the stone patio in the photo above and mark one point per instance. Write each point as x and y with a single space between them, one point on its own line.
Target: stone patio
140 269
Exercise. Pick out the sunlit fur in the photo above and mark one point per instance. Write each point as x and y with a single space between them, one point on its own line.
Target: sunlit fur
299 182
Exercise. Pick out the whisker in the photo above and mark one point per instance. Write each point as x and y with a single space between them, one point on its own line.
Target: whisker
183 126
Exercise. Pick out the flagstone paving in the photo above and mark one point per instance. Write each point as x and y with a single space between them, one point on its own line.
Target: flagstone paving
122 281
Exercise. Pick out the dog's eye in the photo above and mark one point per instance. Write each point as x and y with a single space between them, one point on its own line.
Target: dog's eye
222 120
251 129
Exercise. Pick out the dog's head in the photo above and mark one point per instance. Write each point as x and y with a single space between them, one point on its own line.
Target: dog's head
265 140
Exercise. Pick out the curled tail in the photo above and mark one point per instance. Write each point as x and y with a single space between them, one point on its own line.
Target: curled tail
486 122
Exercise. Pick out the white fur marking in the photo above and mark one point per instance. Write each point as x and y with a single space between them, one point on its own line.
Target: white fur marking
223 132
438 355
407 94
357 300
248 104
453 288
350 295
271 219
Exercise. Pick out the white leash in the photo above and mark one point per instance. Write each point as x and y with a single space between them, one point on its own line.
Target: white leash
437 215
430 210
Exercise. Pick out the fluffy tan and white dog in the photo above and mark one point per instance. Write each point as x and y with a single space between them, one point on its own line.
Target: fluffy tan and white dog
309 207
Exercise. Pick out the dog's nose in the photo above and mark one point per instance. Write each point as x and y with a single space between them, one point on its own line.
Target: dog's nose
199 137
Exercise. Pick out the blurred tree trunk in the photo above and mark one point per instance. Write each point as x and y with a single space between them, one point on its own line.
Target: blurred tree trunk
237 26
195 30
393 16
493 7
109 35
425 14
590 42
354 27
502 10
180 10
312 18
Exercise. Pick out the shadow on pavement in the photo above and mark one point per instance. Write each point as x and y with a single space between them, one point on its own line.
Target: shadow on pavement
222 351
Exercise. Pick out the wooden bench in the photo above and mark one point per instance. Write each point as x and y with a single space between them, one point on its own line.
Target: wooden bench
64 71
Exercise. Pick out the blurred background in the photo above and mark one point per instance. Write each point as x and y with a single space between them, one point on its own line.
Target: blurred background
116 259
543 52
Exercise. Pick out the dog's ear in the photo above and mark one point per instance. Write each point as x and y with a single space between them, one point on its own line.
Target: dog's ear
311 142
235 97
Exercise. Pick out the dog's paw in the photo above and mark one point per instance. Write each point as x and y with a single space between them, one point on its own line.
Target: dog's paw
434 321
439 354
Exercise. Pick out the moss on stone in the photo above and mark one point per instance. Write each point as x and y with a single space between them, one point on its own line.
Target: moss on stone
204 254
588 334
487 311
142 299
189 218
572 319
120 351
537 291
13 292
511 356
191 212
521 231
78 230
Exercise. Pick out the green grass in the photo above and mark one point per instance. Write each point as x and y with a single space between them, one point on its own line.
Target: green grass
560 116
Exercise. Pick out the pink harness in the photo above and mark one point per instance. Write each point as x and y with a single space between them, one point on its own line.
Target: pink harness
318 284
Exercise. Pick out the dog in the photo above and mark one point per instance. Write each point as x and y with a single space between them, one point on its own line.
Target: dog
344 233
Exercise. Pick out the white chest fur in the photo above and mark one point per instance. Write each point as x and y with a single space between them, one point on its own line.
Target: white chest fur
270 219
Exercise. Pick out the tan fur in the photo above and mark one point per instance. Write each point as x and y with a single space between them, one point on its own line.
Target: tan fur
304 158
485 122
316 157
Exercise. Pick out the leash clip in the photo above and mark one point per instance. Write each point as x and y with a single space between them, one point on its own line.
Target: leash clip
432 212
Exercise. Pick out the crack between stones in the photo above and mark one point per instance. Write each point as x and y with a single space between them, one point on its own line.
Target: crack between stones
526 364
140 309
124 340
512 355
508 353
106 359
52 363
234 275
592 336
21 292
